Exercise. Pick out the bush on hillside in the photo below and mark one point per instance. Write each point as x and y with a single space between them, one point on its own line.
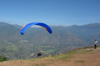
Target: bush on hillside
3 58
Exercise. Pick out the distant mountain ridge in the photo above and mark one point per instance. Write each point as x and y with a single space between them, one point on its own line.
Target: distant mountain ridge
3 24
64 38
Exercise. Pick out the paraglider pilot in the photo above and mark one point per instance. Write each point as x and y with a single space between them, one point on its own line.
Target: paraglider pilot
39 54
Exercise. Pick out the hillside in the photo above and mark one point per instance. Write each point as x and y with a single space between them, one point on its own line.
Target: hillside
13 45
79 57
87 32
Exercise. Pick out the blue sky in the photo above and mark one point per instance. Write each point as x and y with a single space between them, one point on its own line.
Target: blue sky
52 12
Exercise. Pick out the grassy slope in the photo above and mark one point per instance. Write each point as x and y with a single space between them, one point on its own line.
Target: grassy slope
79 57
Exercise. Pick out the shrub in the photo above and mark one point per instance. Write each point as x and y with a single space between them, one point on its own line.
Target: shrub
3 58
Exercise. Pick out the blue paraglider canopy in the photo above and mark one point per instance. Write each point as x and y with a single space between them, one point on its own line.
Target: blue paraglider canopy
25 27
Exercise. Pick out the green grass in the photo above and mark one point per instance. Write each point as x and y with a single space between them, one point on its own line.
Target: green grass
71 53
39 65
81 61
66 55
83 51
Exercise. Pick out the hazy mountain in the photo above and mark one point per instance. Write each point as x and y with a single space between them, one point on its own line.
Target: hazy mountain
88 32
64 38
3 24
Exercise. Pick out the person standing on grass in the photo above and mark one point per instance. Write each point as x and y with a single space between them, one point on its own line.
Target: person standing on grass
95 45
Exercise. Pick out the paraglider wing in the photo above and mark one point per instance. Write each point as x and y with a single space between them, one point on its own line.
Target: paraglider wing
24 28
